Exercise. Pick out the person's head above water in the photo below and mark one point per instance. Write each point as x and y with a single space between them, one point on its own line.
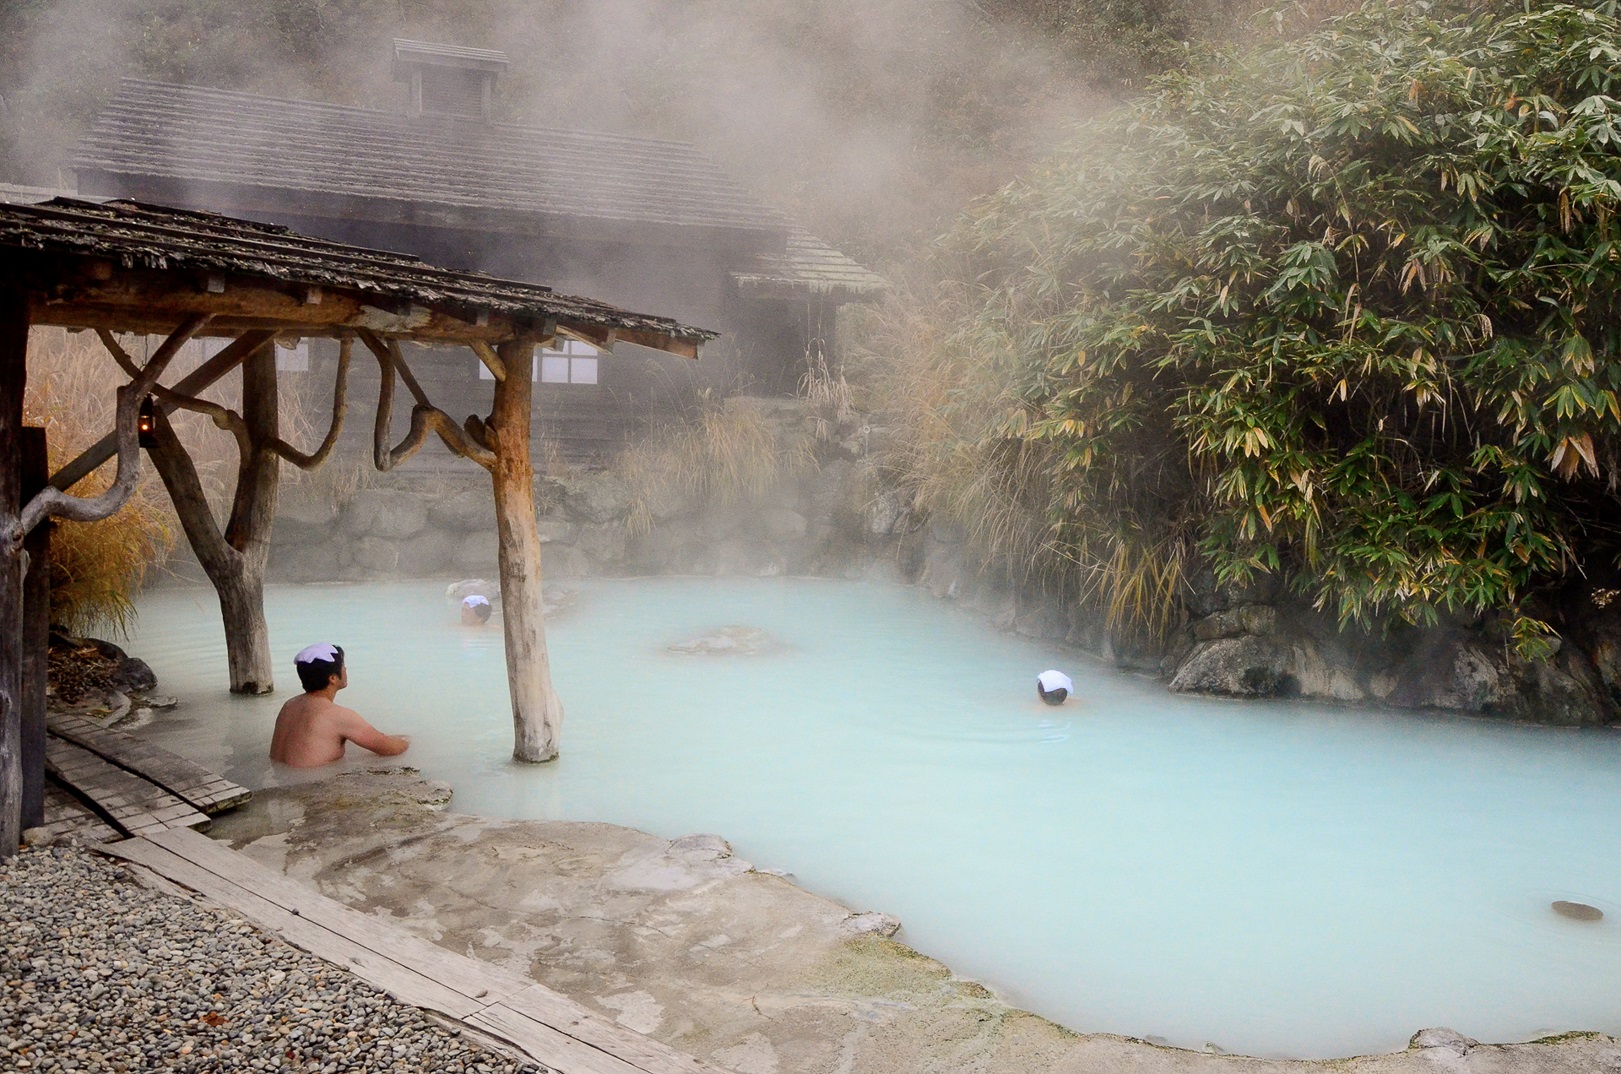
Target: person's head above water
475 609
1053 687
317 664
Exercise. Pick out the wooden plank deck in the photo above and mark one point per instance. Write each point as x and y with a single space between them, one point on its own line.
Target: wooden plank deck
66 817
134 805
186 780
549 1027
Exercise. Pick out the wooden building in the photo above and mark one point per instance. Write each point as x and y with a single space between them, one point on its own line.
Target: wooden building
640 222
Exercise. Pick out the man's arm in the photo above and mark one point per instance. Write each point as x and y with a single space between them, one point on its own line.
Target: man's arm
353 726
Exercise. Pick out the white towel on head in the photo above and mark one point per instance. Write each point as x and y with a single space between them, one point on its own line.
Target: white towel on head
474 600
1055 680
321 650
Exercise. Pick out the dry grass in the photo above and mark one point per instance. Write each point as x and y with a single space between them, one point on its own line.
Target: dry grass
727 454
96 567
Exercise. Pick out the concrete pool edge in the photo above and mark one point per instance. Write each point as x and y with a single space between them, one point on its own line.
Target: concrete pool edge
678 939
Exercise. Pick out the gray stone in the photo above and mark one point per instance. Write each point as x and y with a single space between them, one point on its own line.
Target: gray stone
472 509
388 513
374 555
305 518
1245 666
1577 911
871 923
782 524
467 587
1441 1037
134 674
1258 619
595 497
885 513
476 553
604 546
555 530
428 554
727 641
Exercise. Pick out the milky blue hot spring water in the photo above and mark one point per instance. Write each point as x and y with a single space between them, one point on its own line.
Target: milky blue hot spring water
1276 879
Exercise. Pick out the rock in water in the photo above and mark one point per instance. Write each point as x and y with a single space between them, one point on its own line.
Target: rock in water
1577 911
744 641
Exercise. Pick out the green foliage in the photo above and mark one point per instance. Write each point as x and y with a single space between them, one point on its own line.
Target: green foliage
1344 308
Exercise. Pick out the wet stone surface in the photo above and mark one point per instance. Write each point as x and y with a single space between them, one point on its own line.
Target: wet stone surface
98 973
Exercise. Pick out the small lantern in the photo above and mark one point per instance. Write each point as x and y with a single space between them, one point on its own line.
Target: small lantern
146 423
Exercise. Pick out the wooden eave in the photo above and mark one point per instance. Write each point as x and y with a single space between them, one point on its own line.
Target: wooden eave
130 268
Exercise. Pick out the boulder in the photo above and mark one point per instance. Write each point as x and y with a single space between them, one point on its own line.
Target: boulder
427 555
1441 1037
604 546
388 513
1245 666
782 524
133 675
886 513
304 519
467 587
476 553
374 555
1258 619
473 509
554 530
726 641
595 497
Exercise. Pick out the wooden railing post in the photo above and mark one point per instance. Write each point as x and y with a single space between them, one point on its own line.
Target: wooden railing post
13 377
36 633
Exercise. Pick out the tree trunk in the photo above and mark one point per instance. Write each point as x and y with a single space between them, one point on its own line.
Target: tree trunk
234 561
13 359
537 713
247 638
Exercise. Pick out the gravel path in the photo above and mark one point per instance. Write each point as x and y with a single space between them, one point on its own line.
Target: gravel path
98 973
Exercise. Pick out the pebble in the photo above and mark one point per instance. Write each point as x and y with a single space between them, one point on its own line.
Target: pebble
100 974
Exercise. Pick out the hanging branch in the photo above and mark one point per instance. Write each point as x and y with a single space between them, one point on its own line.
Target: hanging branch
340 408
223 417
192 383
425 417
51 502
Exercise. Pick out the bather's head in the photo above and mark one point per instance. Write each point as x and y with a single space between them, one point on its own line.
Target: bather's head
475 610
317 665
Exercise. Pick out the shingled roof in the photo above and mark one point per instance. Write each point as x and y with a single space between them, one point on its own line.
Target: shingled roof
212 248
810 267
391 165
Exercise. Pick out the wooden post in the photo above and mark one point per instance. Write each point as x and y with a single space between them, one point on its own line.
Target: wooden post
537 713
36 634
13 377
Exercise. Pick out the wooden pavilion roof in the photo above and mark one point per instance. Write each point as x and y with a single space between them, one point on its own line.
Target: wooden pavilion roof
126 266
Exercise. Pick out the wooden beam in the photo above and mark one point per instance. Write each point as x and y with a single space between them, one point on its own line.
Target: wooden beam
13 377
194 382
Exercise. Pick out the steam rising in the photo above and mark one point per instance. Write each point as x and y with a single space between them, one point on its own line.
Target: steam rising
871 121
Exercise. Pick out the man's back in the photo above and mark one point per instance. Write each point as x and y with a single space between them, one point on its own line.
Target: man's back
311 730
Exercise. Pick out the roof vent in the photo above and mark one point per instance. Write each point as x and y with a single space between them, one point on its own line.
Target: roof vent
448 80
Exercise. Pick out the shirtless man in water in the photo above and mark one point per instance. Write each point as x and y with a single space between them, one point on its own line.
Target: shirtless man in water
311 729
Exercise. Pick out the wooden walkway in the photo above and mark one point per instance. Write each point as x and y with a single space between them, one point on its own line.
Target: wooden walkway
109 784
547 1026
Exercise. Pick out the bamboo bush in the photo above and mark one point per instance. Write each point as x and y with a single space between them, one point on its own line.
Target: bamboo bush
1343 309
